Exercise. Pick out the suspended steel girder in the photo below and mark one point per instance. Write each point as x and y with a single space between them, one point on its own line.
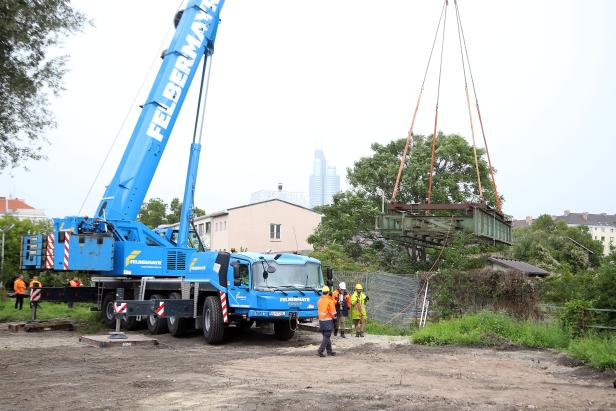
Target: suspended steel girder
431 226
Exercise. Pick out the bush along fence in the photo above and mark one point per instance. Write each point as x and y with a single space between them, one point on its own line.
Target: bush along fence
580 316
393 299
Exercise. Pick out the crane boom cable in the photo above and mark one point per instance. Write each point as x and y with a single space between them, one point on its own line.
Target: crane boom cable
438 93
468 104
485 142
132 104
409 138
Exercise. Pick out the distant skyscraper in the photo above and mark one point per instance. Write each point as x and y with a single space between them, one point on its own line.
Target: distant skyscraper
294 197
324 182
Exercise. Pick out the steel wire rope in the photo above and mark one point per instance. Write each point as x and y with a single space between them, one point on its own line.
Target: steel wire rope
132 104
409 137
485 142
468 105
438 95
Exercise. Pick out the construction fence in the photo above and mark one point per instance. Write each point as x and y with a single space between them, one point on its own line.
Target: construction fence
394 299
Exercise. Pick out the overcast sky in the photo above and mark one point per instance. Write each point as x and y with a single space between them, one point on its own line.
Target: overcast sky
289 77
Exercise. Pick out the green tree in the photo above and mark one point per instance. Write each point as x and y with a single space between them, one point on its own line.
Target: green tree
556 247
454 177
175 211
348 223
12 241
153 213
28 31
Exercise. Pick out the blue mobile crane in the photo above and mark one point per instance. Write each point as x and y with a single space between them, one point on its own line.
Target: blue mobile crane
166 276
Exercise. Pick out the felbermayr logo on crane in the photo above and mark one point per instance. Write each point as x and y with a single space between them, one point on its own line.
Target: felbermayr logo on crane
179 74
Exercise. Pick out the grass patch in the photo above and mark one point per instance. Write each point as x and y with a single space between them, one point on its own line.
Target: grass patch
80 314
386 329
491 329
597 350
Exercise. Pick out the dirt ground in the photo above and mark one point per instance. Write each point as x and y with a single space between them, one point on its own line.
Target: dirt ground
253 371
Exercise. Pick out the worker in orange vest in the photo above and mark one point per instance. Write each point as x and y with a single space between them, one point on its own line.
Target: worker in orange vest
19 286
327 313
35 283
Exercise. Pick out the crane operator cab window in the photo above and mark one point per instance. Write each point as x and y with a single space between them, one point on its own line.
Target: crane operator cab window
193 240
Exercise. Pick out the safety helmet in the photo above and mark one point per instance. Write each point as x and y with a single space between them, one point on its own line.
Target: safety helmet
358 286
325 289
342 285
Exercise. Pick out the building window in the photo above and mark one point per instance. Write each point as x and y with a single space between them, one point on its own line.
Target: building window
200 229
225 226
208 227
275 231
602 238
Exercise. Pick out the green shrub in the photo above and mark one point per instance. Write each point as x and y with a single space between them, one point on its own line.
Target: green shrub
599 351
489 329
575 317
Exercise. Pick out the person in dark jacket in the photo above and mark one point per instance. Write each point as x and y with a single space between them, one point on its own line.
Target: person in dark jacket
342 298
327 313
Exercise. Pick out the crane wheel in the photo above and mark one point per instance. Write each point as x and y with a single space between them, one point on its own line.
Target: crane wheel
156 325
213 324
176 326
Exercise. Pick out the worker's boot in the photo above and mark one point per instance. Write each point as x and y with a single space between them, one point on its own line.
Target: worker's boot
357 334
342 334
320 354
361 334
335 333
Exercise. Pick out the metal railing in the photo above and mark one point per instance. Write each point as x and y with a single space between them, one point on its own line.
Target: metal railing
393 298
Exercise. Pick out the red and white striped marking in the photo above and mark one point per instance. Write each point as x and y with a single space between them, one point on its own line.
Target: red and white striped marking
67 247
119 308
35 294
160 310
223 302
50 249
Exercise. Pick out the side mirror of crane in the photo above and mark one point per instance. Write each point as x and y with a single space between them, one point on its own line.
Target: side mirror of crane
265 274
237 278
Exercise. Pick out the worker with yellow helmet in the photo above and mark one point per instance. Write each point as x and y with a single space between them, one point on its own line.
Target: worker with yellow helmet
358 310
327 313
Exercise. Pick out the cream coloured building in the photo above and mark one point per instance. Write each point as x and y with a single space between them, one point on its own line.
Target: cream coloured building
268 226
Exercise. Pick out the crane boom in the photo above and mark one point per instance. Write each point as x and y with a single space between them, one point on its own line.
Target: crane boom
194 38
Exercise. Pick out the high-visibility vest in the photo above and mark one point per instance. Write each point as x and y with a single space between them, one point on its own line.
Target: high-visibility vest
35 283
19 286
327 308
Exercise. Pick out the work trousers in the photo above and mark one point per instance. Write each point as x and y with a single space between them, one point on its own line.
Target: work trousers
359 325
19 301
341 323
326 343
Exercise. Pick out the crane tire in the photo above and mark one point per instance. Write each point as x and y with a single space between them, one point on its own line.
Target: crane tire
156 325
213 324
176 326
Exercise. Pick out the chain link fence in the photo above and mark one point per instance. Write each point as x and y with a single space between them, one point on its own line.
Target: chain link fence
393 298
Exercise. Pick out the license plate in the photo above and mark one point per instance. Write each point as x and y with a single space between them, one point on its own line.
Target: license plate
277 313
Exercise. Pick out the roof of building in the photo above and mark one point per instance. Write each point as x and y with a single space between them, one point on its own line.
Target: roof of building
13 204
518 265
602 219
273 199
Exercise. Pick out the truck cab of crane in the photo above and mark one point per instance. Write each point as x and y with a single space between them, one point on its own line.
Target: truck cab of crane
274 286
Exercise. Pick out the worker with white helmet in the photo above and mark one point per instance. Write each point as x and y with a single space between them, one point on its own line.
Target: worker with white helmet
342 298
358 310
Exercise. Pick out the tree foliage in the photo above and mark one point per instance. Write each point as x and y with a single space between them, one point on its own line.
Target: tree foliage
348 223
12 241
156 212
29 30
556 247
454 177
